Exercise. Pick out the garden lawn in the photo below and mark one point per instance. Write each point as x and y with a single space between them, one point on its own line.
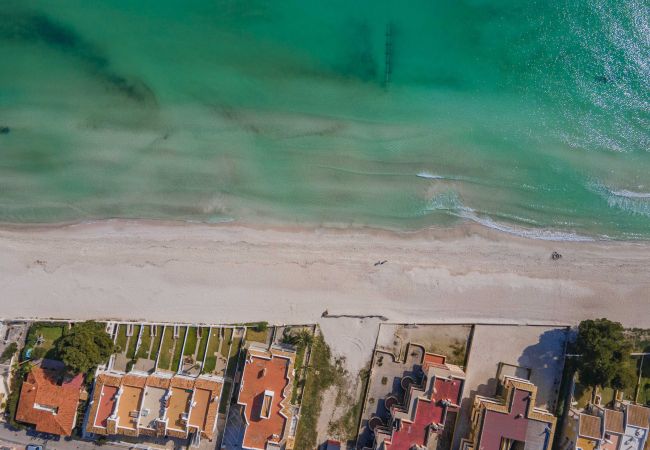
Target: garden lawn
133 341
178 351
166 348
50 335
190 343
225 348
155 347
213 346
233 357
203 344
121 338
145 343
257 336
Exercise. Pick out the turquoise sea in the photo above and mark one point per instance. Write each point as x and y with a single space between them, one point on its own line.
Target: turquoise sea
532 117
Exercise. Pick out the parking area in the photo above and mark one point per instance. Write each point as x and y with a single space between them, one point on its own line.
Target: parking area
12 332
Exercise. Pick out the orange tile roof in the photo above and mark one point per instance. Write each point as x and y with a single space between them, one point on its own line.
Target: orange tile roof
265 371
590 426
47 403
638 416
178 406
614 421
204 410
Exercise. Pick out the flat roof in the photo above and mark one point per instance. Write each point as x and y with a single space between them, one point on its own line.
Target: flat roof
152 406
159 397
200 404
179 403
128 407
106 405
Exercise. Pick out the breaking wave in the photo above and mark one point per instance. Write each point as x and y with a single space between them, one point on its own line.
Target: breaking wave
430 176
630 201
450 202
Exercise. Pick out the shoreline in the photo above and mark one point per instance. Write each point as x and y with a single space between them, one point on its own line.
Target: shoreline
478 225
234 273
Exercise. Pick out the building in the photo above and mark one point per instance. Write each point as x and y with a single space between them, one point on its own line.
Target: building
637 422
155 405
583 431
511 422
625 428
419 420
49 399
332 444
264 395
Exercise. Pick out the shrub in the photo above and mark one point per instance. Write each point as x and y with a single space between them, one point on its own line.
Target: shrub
38 353
8 352
260 327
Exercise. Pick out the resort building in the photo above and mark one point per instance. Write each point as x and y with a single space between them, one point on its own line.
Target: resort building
155 405
511 422
625 428
419 420
264 395
49 399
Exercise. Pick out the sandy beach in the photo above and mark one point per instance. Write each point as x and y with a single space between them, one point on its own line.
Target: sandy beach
234 273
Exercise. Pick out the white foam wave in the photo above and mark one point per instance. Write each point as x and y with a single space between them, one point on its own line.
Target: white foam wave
430 176
630 201
451 203
631 194
540 234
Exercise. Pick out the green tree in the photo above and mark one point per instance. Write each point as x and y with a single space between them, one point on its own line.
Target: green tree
604 355
305 337
84 346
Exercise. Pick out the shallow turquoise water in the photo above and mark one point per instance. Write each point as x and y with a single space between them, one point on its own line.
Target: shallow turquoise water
531 117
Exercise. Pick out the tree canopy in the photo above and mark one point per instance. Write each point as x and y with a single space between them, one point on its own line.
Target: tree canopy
604 355
84 346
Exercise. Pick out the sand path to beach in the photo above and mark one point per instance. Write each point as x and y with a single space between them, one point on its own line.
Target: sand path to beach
233 273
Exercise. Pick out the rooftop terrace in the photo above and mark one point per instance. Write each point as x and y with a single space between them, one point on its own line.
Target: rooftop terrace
154 405
266 383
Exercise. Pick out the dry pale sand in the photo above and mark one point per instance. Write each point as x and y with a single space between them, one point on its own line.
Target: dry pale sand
233 273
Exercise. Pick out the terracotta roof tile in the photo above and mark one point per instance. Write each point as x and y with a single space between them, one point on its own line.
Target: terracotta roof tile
47 389
205 415
638 416
266 371
589 426
614 421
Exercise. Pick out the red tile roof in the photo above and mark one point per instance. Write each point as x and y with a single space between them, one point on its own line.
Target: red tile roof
427 412
203 409
264 372
514 417
49 401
